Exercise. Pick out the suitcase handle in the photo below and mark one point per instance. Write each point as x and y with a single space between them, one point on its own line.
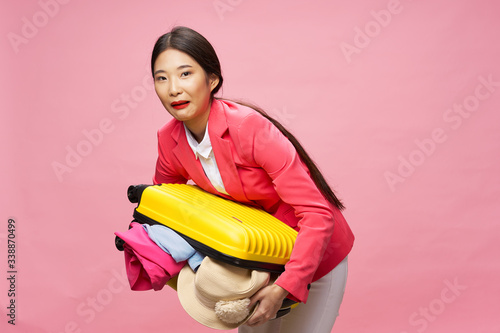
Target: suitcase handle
134 192
119 243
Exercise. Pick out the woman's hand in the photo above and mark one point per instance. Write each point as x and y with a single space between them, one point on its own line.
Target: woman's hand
270 299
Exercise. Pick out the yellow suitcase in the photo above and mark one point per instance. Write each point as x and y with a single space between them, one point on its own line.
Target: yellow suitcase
222 229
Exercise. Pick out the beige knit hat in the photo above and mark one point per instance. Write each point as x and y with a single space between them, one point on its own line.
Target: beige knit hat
217 295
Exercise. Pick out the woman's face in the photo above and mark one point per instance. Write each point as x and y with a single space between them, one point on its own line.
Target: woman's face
183 88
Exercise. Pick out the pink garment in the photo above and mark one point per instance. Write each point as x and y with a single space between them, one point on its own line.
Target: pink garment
147 265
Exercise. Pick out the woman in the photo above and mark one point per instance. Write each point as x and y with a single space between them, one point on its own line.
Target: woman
240 153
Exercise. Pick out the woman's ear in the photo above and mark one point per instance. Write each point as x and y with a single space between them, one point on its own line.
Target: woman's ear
213 81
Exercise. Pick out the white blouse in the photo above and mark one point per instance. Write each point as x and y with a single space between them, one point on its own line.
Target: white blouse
204 152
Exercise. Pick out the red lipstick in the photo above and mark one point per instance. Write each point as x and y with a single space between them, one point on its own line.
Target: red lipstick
179 104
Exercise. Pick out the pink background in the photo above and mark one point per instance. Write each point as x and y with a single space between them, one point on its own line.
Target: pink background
388 96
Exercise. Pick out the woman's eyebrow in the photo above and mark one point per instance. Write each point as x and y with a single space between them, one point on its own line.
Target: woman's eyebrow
180 67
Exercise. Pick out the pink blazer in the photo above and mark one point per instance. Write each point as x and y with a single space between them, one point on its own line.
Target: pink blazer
259 166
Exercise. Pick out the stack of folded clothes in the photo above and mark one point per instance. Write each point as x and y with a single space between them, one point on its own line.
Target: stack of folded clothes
154 254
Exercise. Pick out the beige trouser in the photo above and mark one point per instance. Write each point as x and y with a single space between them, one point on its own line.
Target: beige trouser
320 312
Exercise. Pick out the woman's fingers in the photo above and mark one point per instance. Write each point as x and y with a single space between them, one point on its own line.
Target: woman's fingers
269 301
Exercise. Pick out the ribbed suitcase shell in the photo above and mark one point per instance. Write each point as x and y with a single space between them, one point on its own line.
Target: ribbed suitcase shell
226 230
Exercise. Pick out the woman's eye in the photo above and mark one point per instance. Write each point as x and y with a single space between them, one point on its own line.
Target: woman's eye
185 74
160 78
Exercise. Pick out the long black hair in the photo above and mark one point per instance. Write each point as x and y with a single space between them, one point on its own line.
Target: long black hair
196 46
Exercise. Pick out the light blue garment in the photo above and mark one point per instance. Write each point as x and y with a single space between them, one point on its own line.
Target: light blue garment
172 243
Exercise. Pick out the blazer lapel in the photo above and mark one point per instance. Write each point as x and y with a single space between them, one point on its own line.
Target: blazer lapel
223 153
186 157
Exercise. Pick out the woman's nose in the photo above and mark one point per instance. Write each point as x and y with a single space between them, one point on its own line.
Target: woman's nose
174 88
